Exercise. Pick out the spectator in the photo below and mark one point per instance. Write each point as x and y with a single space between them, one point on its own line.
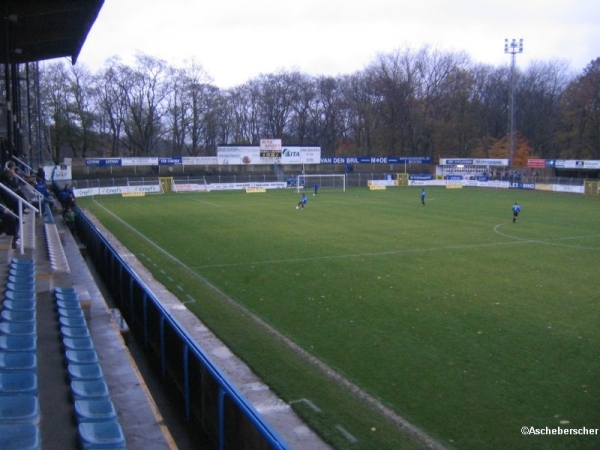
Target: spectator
41 187
8 179
41 173
8 224
69 216
66 192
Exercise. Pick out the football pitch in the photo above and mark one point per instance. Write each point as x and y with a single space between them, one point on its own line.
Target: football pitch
376 311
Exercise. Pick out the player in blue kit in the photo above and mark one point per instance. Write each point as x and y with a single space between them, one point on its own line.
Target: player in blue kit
302 202
516 209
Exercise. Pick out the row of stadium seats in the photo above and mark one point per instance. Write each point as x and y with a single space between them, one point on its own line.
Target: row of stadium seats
19 400
98 426
56 251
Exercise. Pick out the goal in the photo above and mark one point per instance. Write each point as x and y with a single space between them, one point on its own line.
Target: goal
189 185
307 182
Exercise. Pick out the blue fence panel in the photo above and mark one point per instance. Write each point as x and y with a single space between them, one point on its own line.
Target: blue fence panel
209 398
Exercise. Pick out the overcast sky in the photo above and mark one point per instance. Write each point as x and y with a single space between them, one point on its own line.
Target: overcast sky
236 40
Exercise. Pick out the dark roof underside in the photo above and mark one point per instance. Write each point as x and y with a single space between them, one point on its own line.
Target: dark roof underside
35 30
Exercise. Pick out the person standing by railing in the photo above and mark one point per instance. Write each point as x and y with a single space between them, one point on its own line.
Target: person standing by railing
41 173
69 216
8 179
8 223
67 196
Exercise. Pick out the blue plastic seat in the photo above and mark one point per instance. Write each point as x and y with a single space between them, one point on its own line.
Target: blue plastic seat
74 332
64 290
21 295
85 372
68 304
18 328
18 316
19 408
20 287
95 411
73 321
17 383
19 305
18 343
64 312
20 270
21 262
97 435
18 361
21 436
84 343
89 390
24 270
21 278
66 296
81 357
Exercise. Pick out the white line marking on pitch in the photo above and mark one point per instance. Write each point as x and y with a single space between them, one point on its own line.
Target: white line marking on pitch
547 241
346 434
310 404
359 255
202 201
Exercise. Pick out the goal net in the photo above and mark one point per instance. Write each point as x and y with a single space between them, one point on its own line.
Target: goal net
307 182
190 185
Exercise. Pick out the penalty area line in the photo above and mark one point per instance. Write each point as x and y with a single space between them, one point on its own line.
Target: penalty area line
551 241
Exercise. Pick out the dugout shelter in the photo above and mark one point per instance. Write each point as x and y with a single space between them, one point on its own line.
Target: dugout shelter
30 31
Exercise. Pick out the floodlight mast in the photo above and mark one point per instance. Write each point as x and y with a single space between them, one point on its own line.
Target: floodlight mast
513 47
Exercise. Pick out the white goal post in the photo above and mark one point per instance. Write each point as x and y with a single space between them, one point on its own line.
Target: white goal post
189 185
335 180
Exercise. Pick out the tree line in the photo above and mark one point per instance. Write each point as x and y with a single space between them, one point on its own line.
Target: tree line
409 102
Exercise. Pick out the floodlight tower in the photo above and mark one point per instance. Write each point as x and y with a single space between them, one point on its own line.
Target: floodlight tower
513 47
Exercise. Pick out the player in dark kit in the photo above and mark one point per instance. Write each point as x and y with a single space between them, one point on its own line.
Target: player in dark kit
516 209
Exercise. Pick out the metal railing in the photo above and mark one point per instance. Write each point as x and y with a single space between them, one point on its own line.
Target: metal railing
210 400
19 213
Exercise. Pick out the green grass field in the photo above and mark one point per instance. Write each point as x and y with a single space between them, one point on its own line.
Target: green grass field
466 325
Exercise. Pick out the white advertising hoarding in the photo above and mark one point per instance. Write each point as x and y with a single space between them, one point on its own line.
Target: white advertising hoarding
254 155
238 156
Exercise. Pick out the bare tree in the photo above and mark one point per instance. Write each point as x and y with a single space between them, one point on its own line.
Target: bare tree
581 118
146 90
538 100
56 103
243 110
279 94
82 107
112 105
